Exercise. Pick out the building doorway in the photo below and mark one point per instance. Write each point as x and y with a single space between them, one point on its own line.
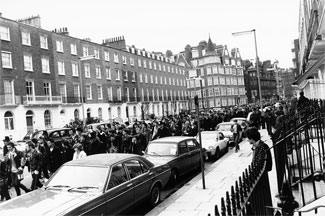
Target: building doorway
30 121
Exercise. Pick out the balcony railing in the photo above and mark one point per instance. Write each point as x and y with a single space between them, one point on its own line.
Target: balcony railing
35 100
10 100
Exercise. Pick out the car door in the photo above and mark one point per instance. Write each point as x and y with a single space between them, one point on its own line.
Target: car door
120 193
183 159
140 177
194 152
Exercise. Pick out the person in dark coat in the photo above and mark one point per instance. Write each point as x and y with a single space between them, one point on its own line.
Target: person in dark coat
4 174
261 155
54 157
35 163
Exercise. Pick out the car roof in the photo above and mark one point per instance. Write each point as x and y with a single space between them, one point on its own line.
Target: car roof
226 123
103 160
172 139
239 118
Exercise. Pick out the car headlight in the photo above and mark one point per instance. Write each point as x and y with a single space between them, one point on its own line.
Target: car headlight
211 147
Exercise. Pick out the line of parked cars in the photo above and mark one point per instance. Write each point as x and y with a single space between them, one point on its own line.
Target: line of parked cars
111 184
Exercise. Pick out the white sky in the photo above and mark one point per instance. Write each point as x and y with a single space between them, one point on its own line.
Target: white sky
172 24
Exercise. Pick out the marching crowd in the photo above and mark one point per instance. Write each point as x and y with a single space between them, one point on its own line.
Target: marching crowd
43 156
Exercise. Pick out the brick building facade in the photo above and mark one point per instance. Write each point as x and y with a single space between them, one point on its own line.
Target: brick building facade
49 78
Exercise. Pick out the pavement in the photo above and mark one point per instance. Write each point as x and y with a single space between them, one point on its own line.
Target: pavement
192 199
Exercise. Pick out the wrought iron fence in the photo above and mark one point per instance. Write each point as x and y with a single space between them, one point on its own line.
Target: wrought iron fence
298 146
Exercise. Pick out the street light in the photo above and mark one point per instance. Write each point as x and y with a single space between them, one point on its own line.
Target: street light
85 58
257 61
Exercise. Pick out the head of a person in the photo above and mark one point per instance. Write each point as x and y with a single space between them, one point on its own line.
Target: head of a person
50 143
79 130
253 135
301 94
6 140
10 146
77 147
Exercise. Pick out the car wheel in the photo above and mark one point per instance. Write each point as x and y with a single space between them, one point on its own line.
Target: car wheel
173 177
155 195
217 154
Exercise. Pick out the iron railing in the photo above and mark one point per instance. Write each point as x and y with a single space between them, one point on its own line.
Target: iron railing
298 147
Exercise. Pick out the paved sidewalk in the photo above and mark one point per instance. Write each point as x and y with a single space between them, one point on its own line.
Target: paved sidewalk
193 200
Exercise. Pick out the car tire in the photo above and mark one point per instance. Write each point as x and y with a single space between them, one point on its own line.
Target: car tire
217 154
155 195
173 177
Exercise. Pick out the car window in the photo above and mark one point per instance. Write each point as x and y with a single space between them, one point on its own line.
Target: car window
182 148
191 144
134 168
118 176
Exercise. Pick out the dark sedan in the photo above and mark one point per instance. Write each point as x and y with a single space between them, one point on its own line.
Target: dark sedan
181 153
103 184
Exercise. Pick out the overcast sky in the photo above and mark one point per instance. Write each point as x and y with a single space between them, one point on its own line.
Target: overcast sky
172 24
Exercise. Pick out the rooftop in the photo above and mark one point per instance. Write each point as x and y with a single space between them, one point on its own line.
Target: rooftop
103 160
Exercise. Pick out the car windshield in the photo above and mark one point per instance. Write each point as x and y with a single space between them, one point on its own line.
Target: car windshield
79 177
224 127
162 149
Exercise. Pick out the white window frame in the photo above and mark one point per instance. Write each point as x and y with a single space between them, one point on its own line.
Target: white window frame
96 53
108 73
74 69
61 68
25 38
106 55
99 92
8 120
133 76
4 33
118 76
119 93
87 70
140 78
85 51
59 46
28 58
73 49
9 59
98 72
116 60
45 64
43 42
139 63
110 93
124 60
90 93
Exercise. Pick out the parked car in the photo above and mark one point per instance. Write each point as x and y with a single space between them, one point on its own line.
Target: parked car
95 126
214 144
102 184
59 136
180 153
226 129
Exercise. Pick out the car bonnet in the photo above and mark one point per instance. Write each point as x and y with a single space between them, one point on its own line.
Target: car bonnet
44 202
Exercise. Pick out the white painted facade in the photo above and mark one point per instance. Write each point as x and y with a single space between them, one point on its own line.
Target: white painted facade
60 115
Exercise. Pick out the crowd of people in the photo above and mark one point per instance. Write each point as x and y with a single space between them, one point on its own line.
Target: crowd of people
43 156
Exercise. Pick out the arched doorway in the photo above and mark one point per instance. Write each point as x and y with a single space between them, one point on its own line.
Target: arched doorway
119 112
47 119
30 121
109 113
9 120
88 113
100 113
76 114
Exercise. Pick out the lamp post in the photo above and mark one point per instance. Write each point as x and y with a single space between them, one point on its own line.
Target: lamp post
257 61
85 58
